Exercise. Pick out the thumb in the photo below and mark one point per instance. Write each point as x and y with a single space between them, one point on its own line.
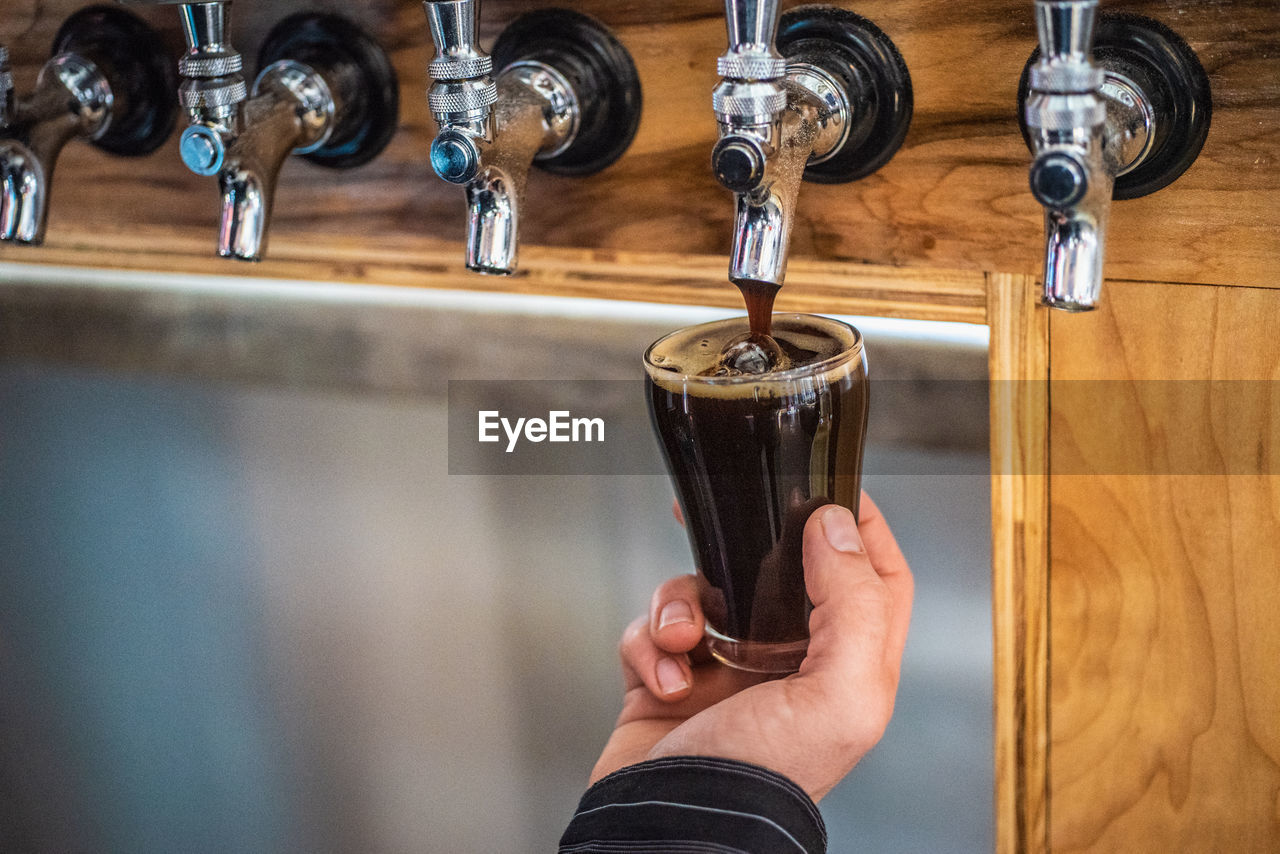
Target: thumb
853 608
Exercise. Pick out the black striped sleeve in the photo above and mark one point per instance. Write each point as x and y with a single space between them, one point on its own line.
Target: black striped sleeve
695 805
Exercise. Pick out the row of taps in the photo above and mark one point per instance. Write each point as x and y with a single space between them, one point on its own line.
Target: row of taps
819 93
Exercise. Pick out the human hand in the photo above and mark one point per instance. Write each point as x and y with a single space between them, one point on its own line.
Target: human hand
811 726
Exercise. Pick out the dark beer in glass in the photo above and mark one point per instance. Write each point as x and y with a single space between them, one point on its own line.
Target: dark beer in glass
753 449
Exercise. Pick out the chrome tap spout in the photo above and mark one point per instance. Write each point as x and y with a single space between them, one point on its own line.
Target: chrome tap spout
1072 175
292 111
532 117
72 99
23 194
1075 228
764 214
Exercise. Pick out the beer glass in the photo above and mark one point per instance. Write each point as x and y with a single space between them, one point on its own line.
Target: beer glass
751 456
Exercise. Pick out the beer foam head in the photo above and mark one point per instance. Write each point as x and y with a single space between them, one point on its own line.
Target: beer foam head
807 345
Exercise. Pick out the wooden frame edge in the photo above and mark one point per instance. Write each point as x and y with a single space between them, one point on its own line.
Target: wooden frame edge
1019 369
813 286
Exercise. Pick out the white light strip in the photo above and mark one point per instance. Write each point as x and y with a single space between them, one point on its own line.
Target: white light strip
940 332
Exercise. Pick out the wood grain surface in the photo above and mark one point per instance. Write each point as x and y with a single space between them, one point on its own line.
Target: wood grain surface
1019 370
1165 655
955 197
648 277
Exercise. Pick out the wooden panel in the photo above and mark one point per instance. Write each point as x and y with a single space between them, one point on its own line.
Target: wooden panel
1019 517
1164 646
954 198
650 277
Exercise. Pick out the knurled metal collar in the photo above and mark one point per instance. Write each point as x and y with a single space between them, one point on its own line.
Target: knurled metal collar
6 80
460 69
462 99
4 55
1089 114
748 67
746 106
210 65
211 94
1066 77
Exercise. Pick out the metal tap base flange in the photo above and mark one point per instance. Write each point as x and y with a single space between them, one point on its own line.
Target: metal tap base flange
596 66
865 60
139 68
355 64
1168 76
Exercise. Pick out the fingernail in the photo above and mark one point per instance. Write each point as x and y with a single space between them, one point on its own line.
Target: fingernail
841 530
675 612
671 676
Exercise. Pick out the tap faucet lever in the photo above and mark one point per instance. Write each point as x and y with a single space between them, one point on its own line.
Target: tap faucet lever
108 82
463 91
213 85
751 97
566 97
1121 127
818 93
213 88
751 68
463 88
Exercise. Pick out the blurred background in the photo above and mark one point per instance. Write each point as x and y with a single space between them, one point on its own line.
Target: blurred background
245 608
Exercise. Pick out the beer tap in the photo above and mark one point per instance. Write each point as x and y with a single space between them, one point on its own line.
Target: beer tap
819 94
1116 116
565 97
326 91
108 82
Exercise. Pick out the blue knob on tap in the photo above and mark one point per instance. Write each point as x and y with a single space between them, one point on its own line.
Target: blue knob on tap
454 157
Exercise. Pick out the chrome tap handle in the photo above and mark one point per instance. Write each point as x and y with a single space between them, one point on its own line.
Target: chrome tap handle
213 88
463 90
753 33
1065 29
209 50
750 99
213 85
454 25
750 93
1064 107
